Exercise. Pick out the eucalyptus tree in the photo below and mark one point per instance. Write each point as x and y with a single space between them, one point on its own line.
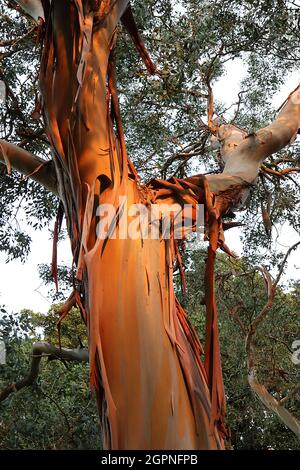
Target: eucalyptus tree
145 358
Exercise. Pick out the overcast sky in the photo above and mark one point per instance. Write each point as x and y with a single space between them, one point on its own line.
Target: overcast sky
20 285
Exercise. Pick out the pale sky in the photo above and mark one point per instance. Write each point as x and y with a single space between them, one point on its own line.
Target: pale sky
20 285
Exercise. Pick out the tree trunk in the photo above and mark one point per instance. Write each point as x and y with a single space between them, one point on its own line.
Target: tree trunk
154 387
144 356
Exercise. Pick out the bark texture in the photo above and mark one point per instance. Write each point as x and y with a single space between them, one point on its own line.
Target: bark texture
144 355
153 390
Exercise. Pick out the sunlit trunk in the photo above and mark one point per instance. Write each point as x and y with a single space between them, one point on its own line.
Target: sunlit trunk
154 389
144 356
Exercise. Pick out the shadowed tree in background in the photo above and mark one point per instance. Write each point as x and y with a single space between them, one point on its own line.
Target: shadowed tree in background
152 388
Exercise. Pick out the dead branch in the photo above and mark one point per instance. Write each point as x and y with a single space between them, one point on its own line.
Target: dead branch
194 93
282 266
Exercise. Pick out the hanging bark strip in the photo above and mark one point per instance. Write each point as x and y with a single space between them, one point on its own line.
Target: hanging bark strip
56 232
197 188
212 344
64 311
130 25
145 359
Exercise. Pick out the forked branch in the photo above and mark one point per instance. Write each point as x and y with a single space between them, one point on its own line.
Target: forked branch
44 350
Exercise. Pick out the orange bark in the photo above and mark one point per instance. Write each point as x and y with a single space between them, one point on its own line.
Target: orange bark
153 390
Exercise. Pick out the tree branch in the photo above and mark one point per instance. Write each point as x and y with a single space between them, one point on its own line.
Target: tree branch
16 40
245 160
234 313
276 406
273 405
243 154
281 173
292 248
33 167
292 393
39 351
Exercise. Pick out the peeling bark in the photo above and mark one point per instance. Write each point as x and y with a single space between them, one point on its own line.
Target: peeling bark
144 355
153 390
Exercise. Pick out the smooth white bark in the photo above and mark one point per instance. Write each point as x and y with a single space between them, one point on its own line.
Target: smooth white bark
34 8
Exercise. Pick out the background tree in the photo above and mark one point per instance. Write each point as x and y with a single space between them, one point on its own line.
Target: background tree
58 411
247 29
241 297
